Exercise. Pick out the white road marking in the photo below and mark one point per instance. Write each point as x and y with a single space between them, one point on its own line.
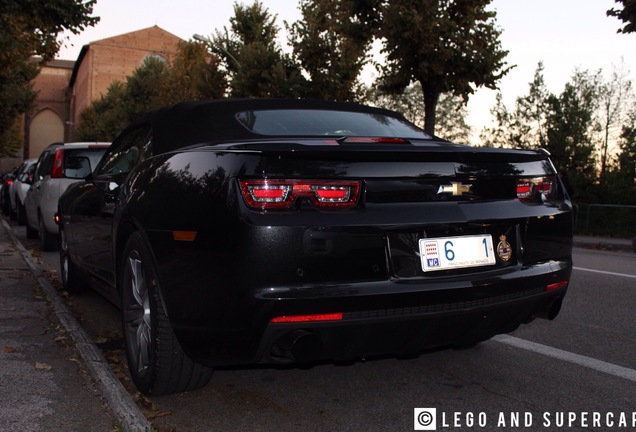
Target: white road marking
605 272
588 362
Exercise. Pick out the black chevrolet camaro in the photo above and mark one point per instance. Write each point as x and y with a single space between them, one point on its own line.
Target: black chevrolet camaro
279 231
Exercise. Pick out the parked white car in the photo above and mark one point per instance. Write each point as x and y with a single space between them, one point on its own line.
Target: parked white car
19 189
59 166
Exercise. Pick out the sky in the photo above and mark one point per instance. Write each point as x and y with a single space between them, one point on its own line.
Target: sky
563 34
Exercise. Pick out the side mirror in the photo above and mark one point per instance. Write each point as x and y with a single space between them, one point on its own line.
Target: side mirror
77 167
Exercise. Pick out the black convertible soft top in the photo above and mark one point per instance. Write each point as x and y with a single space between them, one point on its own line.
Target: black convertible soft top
213 121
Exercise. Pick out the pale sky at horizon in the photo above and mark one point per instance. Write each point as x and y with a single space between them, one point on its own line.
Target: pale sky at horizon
563 34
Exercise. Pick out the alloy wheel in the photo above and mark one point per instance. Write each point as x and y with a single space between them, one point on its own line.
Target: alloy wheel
137 314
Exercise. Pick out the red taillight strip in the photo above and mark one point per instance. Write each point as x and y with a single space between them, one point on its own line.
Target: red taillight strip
58 164
557 285
379 140
265 194
307 318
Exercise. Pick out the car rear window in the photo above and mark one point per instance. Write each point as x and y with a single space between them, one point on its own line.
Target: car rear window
307 122
70 156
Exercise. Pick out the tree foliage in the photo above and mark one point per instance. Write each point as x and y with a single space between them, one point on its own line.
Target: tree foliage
627 14
331 44
524 127
451 111
255 63
570 128
616 98
448 46
31 28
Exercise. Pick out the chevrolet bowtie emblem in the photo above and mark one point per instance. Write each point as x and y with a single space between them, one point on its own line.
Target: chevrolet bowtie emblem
457 189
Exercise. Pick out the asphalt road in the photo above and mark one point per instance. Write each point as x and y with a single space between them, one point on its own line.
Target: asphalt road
576 373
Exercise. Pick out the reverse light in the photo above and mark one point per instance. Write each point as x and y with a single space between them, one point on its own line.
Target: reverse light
532 189
307 318
266 194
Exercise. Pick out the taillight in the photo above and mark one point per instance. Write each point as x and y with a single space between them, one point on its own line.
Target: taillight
536 189
308 318
263 194
58 164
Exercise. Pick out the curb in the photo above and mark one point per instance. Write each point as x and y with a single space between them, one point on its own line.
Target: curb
126 412
605 246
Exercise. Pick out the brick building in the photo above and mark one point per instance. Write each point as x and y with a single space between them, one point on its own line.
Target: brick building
67 87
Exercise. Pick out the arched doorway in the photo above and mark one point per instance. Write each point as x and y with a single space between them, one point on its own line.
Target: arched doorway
46 127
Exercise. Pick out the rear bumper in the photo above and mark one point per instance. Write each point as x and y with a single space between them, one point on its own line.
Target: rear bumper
391 332
379 318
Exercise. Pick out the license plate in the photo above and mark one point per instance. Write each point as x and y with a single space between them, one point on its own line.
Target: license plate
447 253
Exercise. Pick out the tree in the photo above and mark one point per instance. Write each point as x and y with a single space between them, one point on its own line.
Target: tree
627 15
30 28
451 111
105 117
195 74
620 180
331 43
13 139
525 126
448 46
570 126
256 65
616 98
146 88
498 136
627 158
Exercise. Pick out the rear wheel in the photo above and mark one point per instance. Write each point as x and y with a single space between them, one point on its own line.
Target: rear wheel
48 241
31 232
21 213
156 361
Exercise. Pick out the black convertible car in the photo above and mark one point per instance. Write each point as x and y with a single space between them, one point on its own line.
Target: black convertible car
278 231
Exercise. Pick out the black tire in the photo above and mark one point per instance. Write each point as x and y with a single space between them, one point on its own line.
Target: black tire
71 280
156 361
21 213
48 241
31 233
13 213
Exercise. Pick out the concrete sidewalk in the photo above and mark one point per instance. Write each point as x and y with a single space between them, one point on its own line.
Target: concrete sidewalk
52 376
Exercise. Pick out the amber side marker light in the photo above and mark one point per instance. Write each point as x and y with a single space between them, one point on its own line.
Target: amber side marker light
307 318
184 235
557 285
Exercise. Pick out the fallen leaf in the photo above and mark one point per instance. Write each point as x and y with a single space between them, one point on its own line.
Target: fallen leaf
9 349
43 366
157 414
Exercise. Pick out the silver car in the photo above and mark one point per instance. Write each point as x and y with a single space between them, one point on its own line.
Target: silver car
19 189
59 166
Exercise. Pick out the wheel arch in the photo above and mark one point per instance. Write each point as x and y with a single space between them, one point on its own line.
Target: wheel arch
125 229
